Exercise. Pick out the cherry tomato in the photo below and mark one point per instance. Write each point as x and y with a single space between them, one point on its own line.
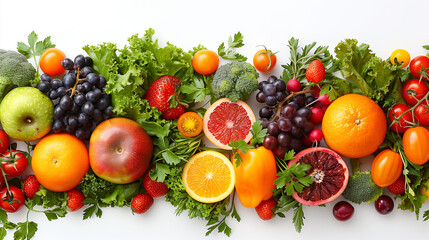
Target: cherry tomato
205 62
264 60
18 164
4 141
415 142
402 57
190 124
421 112
414 90
50 61
12 200
418 64
402 124
386 168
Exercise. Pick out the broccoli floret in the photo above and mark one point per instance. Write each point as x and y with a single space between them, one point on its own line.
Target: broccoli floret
15 70
236 81
361 188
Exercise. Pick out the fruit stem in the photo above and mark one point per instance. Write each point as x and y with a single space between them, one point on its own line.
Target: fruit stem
75 84
292 94
355 165
412 124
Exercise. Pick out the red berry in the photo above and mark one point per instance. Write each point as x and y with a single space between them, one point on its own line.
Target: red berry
141 203
398 187
265 209
154 188
75 201
315 71
343 211
316 90
293 85
324 99
160 93
316 115
31 186
316 135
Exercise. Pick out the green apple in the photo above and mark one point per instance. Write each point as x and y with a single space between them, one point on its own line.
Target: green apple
26 114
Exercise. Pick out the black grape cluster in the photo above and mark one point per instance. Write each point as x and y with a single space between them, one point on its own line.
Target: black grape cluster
287 121
79 98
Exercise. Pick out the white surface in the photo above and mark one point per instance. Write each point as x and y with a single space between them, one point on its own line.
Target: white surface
385 25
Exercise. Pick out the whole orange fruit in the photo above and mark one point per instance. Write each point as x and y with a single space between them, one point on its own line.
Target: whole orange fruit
60 161
354 126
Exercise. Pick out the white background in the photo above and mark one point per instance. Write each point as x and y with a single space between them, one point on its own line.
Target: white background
385 25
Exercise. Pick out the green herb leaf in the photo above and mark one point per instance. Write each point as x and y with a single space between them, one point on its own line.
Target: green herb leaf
298 218
3 216
289 155
258 133
228 53
3 233
25 230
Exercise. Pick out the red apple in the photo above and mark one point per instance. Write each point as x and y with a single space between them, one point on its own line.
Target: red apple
120 150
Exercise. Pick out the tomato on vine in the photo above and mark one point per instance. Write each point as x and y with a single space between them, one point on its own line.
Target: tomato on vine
11 200
14 163
400 118
205 62
4 141
418 65
401 56
414 90
50 61
264 60
421 112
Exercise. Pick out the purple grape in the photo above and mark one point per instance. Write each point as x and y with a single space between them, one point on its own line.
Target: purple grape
343 211
261 85
271 100
269 90
288 111
265 112
285 124
273 129
280 96
284 139
270 142
280 85
384 204
260 97
299 121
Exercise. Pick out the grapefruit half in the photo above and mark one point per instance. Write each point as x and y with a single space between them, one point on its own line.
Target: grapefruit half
226 121
329 173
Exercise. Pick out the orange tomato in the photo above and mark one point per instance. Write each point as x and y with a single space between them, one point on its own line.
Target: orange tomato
60 161
254 178
264 60
205 62
50 61
190 124
402 57
415 142
386 168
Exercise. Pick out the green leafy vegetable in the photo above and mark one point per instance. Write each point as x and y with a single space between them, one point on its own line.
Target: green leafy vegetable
35 48
228 53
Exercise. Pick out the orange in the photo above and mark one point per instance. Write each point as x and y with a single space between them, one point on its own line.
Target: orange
60 161
354 126
209 177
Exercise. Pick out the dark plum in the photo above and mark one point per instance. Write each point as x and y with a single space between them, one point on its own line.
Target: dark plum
384 204
343 211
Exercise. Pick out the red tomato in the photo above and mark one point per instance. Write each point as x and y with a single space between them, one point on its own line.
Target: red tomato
386 168
400 125
418 64
50 61
4 141
414 90
415 142
17 164
205 62
264 60
421 112
12 200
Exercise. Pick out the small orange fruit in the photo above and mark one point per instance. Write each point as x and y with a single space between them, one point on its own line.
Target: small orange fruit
354 126
209 177
60 161
190 124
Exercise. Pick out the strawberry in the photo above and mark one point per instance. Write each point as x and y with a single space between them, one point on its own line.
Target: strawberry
163 95
265 209
141 203
154 188
31 186
315 71
75 201
398 187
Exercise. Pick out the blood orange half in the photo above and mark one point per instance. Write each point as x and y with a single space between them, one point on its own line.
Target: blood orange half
226 121
329 173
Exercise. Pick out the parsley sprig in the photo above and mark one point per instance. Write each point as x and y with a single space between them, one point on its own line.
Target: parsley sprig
258 135
228 53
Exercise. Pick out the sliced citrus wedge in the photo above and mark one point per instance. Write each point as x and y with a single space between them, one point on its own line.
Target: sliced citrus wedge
209 177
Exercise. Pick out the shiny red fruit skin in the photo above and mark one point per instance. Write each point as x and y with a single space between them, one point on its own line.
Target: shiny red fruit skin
31 186
16 199
343 211
396 111
293 85
152 187
4 141
398 187
421 112
120 150
265 209
315 71
141 203
417 64
414 90
384 205
75 201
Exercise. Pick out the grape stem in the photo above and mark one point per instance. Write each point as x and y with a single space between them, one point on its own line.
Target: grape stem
75 84
291 95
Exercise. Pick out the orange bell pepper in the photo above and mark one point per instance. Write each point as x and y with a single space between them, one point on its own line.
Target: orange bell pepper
254 178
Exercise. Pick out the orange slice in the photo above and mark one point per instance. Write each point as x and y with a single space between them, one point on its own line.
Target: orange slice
209 177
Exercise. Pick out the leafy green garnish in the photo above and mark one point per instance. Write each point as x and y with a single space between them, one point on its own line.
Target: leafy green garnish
228 53
294 178
34 48
258 135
